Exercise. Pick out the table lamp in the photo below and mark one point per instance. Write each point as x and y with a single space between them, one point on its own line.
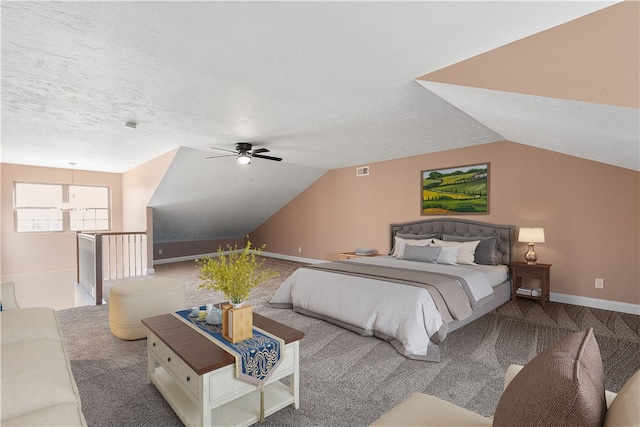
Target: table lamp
531 235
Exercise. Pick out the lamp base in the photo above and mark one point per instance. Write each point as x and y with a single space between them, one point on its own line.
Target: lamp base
531 257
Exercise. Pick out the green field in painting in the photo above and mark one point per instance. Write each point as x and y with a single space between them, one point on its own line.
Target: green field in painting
464 192
455 205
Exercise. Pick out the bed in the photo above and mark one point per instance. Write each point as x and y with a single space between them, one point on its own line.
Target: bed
440 275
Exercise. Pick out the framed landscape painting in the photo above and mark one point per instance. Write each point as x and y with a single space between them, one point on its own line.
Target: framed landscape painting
455 190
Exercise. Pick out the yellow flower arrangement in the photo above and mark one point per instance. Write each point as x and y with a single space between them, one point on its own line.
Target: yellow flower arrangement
234 274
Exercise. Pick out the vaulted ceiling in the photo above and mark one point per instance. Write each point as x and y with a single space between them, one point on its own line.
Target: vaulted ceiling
322 84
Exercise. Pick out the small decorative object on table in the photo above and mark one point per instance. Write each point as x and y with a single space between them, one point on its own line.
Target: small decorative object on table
237 323
214 316
234 274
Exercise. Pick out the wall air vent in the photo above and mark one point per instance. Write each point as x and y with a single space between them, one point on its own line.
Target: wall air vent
363 171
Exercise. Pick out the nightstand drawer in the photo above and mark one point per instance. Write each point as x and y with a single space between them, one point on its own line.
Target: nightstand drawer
533 272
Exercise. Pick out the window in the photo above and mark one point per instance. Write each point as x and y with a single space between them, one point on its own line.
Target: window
56 207
94 214
36 207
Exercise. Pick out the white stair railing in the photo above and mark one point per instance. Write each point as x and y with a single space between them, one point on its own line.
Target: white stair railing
107 256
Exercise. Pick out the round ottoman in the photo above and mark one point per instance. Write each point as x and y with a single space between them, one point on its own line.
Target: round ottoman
136 299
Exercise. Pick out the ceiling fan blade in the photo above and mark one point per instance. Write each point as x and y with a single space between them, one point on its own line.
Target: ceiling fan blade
260 156
224 149
260 150
243 149
226 155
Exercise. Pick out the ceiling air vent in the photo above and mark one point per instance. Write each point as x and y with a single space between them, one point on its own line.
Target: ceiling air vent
363 171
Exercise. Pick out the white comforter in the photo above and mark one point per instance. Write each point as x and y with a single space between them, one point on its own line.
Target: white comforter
405 313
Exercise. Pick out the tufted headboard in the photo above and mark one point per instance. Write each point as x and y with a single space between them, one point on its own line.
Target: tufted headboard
463 228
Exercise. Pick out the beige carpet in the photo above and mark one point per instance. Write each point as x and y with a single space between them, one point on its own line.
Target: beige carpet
346 379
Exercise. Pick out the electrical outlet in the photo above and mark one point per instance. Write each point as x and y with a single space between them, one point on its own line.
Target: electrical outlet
599 283
159 251
299 249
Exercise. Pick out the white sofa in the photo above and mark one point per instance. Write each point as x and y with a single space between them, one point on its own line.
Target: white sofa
421 409
620 410
37 385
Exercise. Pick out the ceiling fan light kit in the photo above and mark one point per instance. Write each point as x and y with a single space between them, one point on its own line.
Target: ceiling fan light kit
244 159
244 153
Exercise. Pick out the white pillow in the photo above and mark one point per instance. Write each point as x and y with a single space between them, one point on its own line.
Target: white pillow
448 254
398 248
467 252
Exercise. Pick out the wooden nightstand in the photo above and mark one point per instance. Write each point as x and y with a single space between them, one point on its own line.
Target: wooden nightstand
531 271
349 255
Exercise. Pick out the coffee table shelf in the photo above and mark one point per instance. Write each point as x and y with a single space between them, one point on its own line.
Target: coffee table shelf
243 411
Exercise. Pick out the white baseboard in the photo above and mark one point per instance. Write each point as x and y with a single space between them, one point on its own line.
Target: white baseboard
184 258
294 258
215 254
622 307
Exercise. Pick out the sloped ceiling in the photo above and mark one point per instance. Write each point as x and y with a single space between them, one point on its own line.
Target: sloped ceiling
238 199
322 84
574 89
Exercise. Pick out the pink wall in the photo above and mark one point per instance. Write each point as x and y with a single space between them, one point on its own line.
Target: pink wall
590 212
138 186
591 59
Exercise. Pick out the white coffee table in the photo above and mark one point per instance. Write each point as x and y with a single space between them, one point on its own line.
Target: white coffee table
197 377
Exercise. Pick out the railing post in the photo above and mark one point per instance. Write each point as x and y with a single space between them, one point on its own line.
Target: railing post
78 257
87 272
98 269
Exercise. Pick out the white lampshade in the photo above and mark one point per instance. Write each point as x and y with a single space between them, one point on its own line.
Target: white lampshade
531 235
244 159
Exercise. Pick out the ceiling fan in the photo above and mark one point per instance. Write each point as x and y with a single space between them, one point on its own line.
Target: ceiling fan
245 153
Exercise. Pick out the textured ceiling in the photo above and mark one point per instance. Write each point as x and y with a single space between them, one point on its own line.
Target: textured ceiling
322 84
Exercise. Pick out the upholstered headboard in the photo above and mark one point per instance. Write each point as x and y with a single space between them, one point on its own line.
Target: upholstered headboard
463 228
